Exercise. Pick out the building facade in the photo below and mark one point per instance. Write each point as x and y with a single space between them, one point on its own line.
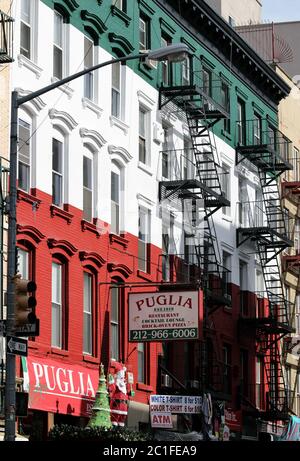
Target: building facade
238 13
201 141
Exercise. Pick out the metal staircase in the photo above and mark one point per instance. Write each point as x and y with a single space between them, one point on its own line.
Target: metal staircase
201 109
270 236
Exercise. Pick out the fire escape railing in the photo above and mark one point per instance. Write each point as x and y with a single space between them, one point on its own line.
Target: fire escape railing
6 38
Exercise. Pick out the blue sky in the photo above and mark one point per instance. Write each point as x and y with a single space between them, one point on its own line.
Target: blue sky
281 10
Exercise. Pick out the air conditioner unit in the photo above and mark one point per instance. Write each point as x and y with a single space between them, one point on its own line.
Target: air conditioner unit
166 381
151 63
158 133
193 384
227 296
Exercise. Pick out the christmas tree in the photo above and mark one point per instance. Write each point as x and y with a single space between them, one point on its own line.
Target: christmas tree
101 410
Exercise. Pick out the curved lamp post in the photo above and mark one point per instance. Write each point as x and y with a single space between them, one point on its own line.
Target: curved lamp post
172 53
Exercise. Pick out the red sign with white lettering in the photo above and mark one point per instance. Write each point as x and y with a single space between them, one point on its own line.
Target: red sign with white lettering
59 387
233 419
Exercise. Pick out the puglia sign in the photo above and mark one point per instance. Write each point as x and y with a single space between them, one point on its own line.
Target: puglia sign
159 316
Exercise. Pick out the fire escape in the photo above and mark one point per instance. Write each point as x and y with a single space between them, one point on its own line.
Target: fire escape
195 184
6 38
267 149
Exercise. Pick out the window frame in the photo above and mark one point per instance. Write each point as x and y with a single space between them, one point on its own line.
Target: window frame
144 264
58 137
115 170
116 92
62 47
241 121
89 79
27 24
88 154
91 313
26 120
62 337
226 187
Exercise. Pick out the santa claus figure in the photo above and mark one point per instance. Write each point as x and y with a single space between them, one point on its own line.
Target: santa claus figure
118 395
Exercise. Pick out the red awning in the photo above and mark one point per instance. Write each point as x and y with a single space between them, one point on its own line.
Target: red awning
59 387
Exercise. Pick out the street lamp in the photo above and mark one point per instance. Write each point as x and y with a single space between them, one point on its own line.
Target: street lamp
172 53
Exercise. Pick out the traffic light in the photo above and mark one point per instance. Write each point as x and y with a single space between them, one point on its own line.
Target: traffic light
25 301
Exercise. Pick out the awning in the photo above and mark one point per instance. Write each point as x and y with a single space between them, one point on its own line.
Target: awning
59 387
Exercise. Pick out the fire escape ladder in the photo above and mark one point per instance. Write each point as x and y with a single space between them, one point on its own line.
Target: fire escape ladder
277 400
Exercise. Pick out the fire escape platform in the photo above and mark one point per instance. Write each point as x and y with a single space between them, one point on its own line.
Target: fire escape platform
264 157
192 99
262 233
187 188
268 325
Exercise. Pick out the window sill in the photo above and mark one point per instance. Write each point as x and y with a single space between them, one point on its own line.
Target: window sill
144 387
146 168
57 211
26 197
90 359
23 61
114 121
87 103
86 225
64 88
62 352
121 14
118 239
144 275
226 218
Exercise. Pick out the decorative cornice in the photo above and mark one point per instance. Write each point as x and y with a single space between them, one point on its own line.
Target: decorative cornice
93 23
119 153
37 103
145 99
113 238
165 26
144 200
30 231
64 245
123 44
93 136
120 268
29 198
186 42
120 14
92 257
68 5
86 225
56 211
64 117
145 7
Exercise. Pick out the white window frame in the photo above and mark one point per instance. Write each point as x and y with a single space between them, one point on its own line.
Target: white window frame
120 4
87 313
23 263
116 91
144 243
116 207
91 157
141 362
62 47
165 77
89 81
115 325
25 119
57 136
57 305
144 134
226 187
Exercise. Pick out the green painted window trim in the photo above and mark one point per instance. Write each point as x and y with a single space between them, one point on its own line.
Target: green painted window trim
241 93
120 14
145 8
166 28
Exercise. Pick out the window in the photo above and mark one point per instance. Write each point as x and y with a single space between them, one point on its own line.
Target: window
57 172
188 165
24 156
241 122
88 303
258 381
257 130
58 46
225 186
207 81
166 150
143 132
168 246
88 187
25 34
121 5
144 34
296 164
227 369
165 41
272 137
57 306
144 240
141 362
225 101
115 201
114 324
116 90
243 272
185 76
88 62
23 263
